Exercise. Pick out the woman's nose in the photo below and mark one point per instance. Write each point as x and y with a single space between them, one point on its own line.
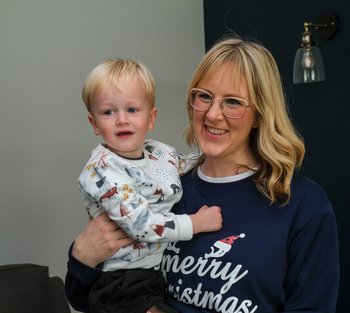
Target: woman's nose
215 111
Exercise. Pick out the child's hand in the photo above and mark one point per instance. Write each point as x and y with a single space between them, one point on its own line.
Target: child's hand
207 219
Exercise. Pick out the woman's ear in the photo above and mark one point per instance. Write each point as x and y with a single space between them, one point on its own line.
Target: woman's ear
94 125
256 120
152 118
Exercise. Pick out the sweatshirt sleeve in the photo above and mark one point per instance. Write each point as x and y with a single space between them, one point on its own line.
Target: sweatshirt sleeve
112 189
78 281
313 265
186 162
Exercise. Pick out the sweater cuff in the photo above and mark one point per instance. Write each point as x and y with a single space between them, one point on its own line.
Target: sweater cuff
185 227
84 273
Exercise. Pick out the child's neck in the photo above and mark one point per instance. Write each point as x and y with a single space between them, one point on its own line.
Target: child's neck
123 156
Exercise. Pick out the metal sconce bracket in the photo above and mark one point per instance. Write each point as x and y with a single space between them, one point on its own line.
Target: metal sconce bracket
326 26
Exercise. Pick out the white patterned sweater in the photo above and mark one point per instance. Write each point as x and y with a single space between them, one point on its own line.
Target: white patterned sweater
138 195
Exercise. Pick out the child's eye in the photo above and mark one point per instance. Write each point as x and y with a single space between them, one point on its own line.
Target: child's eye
132 110
108 112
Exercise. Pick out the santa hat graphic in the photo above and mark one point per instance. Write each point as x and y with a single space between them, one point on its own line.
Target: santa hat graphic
223 246
226 243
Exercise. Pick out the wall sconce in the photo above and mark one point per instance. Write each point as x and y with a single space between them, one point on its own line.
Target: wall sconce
308 62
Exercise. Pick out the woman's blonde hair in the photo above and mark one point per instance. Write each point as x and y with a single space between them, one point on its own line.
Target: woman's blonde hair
275 143
110 71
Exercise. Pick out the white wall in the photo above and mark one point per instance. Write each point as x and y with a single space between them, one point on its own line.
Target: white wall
46 50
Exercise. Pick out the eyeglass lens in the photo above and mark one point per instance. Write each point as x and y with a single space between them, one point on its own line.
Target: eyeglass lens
231 107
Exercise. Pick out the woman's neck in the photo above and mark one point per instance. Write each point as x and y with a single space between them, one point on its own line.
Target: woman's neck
223 168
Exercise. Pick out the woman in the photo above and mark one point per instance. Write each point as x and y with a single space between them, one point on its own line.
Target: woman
277 250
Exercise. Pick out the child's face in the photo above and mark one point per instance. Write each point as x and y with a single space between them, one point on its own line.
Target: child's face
122 117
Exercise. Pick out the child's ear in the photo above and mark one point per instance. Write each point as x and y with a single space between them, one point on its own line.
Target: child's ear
152 118
93 123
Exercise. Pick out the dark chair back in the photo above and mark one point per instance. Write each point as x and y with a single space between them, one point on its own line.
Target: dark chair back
29 288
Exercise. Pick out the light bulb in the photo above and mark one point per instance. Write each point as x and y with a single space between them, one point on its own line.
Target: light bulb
307 61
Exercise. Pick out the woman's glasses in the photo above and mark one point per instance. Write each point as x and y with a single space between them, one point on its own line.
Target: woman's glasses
231 107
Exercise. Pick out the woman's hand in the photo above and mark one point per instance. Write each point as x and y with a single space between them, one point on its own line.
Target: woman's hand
100 239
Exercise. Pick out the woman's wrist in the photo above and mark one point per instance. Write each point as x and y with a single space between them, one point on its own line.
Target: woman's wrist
83 255
84 273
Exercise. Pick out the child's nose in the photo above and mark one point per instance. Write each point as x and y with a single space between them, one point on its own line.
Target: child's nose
121 118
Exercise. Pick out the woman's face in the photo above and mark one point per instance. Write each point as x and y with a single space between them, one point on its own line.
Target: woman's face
220 137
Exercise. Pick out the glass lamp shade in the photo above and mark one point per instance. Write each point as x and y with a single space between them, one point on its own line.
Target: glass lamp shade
308 65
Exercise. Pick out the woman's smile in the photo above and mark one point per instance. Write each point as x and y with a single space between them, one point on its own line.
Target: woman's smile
215 131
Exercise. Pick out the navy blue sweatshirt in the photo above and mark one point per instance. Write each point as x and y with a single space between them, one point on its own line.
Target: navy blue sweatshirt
266 258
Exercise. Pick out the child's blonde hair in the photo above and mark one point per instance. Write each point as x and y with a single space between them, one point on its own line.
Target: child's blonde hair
110 71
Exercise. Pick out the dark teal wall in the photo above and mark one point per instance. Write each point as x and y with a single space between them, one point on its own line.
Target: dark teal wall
321 110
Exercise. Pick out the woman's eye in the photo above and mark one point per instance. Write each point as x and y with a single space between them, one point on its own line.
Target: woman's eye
233 102
132 110
205 97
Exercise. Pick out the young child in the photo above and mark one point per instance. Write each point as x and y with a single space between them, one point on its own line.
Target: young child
136 181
